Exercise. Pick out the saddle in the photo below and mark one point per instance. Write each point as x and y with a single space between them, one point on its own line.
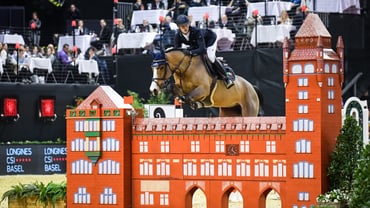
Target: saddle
214 72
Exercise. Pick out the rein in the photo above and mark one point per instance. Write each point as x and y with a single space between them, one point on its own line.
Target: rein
174 70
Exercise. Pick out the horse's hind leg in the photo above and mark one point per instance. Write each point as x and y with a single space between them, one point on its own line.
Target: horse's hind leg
249 108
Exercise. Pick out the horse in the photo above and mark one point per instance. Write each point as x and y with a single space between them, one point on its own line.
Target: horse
195 85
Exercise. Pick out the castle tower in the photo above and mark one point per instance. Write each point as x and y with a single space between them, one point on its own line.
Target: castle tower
313 76
99 151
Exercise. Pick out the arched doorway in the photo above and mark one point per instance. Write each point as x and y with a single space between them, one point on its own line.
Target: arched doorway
196 198
270 199
232 198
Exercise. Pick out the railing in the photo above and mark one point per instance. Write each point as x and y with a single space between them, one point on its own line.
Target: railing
353 83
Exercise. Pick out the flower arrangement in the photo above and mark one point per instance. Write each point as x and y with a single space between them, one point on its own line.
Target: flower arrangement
333 196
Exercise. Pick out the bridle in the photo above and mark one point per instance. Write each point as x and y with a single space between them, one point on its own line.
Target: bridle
175 70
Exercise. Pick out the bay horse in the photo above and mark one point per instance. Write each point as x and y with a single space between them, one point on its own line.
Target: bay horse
196 87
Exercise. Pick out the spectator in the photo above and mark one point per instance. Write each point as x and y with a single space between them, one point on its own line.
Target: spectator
146 27
103 37
36 52
73 12
284 18
81 29
35 26
158 4
23 62
118 29
237 10
138 5
179 7
197 3
50 55
102 64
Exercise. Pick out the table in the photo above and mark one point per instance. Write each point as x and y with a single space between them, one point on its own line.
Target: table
272 8
225 38
82 42
88 66
336 6
40 63
11 39
271 33
1 69
151 15
135 40
197 13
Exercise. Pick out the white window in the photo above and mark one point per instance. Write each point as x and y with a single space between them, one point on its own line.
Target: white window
331 94
207 168
163 199
330 81
194 146
81 167
82 196
110 144
146 167
109 167
108 197
78 145
302 82
165 146
303 170
296 69
163 167
309 69
243 168
224 168
303 95
294 206
302 108
303 146
79 125
190 167
220 146
327 68
109 125
244 146
261 168
92 125
303 125
143 146
146 198
303 196
334 68
279 168
270 146
330 108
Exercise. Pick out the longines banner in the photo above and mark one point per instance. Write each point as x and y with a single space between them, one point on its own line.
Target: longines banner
32 159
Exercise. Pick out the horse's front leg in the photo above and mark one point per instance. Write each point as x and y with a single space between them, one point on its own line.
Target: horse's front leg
195 98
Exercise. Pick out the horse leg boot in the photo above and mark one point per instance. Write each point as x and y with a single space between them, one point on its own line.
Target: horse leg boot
219 68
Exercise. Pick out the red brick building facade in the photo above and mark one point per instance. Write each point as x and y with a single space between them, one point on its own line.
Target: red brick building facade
117 161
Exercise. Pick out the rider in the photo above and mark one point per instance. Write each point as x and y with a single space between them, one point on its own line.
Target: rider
200 41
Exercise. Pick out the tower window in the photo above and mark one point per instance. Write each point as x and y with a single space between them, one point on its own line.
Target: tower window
302 108
330 81
302 82
303 95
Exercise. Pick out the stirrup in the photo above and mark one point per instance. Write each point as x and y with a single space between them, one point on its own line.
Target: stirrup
228 83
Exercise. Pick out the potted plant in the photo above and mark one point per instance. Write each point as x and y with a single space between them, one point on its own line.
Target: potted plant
36 195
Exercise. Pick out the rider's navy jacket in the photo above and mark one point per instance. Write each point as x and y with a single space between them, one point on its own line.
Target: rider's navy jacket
199 40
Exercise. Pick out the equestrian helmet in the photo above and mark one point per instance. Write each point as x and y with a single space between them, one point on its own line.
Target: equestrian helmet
182 20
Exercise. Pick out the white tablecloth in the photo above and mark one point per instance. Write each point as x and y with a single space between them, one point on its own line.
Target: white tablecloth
40 63
11 39
135 40
272 8
197 13
1 69
82 42
271 33
336 6
151 15
88 66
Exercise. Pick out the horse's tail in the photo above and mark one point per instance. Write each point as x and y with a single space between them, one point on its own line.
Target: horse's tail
260 99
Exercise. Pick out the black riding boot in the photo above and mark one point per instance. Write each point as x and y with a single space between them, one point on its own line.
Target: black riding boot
219 68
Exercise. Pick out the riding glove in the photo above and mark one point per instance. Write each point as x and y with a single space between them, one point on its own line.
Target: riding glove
188 52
